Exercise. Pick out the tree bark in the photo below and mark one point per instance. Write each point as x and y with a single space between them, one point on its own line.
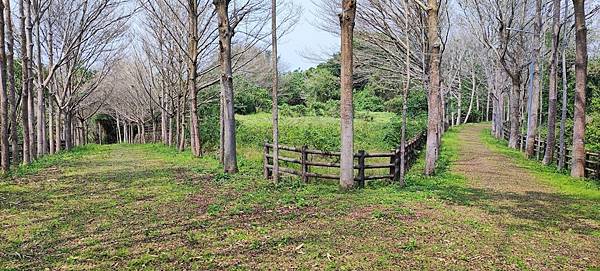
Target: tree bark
58 131
274 105
24 87
12 102
563 117
533 108
347 18
51 126
552 90
30 100
225 35
405 100
42 144
4 108
432 148
578 164
192 74
473 89
514 106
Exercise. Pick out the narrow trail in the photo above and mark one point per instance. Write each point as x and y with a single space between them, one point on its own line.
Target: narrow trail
488 170
523 214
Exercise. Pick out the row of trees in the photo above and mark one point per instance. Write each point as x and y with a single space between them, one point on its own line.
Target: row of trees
54 55
494 42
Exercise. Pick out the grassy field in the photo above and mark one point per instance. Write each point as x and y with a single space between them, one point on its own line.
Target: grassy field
148 207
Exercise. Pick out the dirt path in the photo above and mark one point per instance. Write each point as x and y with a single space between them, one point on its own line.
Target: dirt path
488 170
523 215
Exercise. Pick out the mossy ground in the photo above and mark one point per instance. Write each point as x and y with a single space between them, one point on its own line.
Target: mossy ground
149 207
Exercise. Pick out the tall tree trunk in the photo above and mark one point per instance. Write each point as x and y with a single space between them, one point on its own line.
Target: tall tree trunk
533 99
192 74
4 108
473 89
68 129
563 116
10 69
24 87
164 135
541 108
119 138
432 148
405 100
459 102
58 131
125 133
552 90
221 128
274 105
51 126
30 97
578 165
515 98
225 35
347 17
42 144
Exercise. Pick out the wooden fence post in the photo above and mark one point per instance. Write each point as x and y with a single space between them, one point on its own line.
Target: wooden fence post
361 168
303 164
598 167
266 171
397 161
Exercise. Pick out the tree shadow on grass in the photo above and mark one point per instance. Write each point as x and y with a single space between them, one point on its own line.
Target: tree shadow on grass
540 210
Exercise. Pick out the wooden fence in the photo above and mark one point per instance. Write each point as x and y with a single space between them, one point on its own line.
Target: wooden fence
307 160
592 160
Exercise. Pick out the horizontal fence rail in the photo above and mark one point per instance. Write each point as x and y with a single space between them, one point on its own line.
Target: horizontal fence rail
303 162
592 159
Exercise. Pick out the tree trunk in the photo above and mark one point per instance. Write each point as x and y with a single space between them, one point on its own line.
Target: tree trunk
57 138
405 91
432 148
274 105
515 97
30 101
578 165
12 102
192 74
347 18
4 108
24 87
164 135
42 145
68 130
225 35
51 126
473 88
563 116
552 90
533 108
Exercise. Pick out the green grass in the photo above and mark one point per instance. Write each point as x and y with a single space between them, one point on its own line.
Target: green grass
149 207
588 189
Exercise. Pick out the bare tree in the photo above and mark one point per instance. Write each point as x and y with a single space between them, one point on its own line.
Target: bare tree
4 120
534 98
578 160
552 91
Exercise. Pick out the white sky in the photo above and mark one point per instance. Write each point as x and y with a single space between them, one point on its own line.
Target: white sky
306 40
